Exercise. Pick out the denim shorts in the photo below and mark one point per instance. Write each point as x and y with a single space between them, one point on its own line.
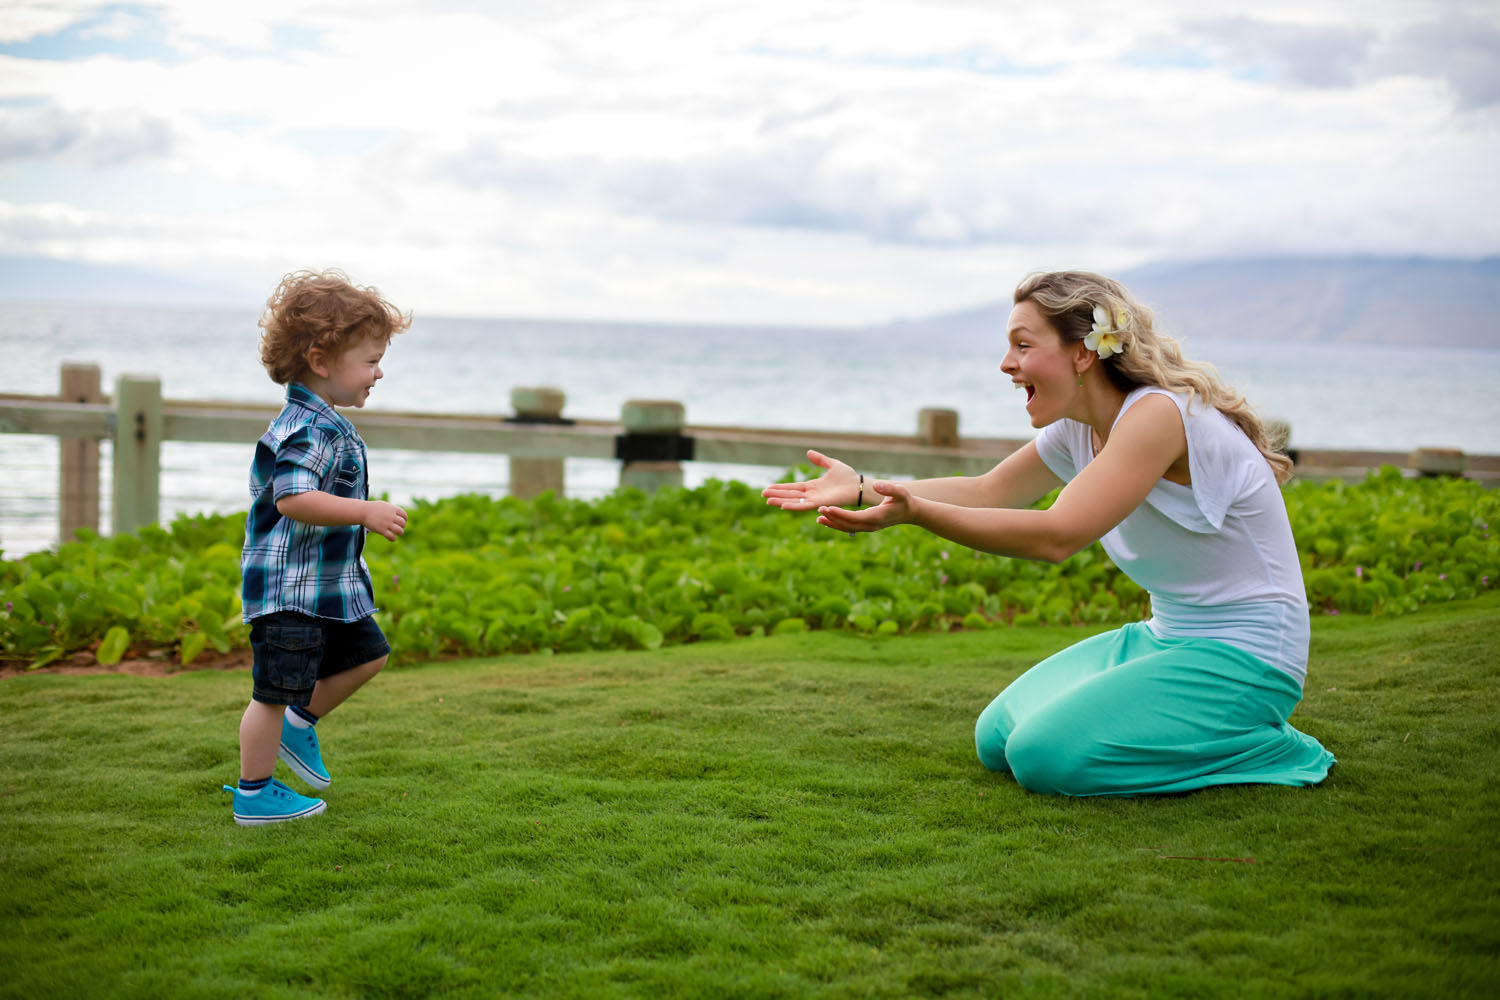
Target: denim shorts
294 651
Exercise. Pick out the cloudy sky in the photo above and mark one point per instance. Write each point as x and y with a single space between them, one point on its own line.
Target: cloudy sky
787 161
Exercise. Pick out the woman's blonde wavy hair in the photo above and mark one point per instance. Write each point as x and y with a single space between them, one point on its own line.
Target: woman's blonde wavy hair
1068 298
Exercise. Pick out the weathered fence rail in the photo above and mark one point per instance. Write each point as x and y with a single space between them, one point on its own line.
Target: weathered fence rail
650 440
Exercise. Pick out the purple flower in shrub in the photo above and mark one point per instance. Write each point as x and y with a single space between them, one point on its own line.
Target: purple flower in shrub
1359 572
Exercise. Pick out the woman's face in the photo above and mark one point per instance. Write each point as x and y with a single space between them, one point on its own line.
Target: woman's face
1038 362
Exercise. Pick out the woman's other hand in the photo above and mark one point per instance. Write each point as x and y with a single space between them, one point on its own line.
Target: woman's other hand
839 484
895 508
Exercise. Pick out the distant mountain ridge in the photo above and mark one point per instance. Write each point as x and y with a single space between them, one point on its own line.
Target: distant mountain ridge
1353 300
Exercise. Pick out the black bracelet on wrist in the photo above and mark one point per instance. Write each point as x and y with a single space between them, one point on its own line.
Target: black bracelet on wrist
860 500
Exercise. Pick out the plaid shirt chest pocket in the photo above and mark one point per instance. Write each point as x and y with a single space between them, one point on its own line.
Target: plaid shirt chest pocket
349 474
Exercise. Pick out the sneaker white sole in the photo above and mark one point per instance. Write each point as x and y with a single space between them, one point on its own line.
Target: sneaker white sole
263 820
301 770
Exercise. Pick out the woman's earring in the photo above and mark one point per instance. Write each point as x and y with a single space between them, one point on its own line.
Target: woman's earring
1080 380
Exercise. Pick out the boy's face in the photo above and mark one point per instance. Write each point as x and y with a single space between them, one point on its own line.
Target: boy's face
346 380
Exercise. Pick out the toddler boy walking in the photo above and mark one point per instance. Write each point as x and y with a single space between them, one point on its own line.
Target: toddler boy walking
305 588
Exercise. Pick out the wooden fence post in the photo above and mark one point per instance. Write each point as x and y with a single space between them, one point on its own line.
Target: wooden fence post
78 458
652 446
1437 461
137 452
938 428
530 477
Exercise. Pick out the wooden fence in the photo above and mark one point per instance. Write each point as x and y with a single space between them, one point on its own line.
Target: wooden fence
650 440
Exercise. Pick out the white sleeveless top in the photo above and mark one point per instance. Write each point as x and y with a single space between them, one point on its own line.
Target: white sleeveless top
1217 557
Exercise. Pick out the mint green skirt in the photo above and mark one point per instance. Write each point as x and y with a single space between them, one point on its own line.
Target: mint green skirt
1126 713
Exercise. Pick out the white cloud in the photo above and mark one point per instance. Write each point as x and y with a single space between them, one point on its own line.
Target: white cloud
1462 50
1459 48
22 21
96 139
825 160
116 25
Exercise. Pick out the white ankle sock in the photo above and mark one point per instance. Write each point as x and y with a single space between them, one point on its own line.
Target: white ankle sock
296 719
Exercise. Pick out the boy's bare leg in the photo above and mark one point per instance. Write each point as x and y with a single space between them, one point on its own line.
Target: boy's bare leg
260 738
331 692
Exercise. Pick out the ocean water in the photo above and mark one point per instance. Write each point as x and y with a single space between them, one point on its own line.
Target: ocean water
1346 396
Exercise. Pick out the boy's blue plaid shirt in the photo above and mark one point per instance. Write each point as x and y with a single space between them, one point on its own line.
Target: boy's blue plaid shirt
290 566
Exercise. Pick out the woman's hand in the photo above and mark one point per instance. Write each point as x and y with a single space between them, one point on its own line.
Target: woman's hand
839 484
895 509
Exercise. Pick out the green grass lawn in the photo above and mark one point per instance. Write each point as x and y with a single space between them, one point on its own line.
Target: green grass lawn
793 816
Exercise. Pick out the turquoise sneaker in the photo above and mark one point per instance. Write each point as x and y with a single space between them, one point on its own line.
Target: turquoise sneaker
276 803
299 748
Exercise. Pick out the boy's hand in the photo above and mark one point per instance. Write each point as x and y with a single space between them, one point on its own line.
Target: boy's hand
384 519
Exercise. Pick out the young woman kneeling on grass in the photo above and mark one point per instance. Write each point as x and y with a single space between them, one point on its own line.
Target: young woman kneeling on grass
1172 471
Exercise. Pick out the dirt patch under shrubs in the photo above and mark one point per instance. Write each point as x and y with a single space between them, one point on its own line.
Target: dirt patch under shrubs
137 663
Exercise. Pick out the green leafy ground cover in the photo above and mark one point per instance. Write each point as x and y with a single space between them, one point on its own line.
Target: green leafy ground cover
800 816
481 576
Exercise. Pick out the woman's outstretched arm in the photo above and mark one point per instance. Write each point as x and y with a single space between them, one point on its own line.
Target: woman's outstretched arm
1019 481
1143 446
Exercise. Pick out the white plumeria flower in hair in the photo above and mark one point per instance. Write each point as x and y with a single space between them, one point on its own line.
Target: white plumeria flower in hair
1105 337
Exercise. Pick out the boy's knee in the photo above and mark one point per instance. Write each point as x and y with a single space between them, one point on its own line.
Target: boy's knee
374 666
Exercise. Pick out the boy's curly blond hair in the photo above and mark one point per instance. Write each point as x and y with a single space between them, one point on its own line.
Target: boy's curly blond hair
322 309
